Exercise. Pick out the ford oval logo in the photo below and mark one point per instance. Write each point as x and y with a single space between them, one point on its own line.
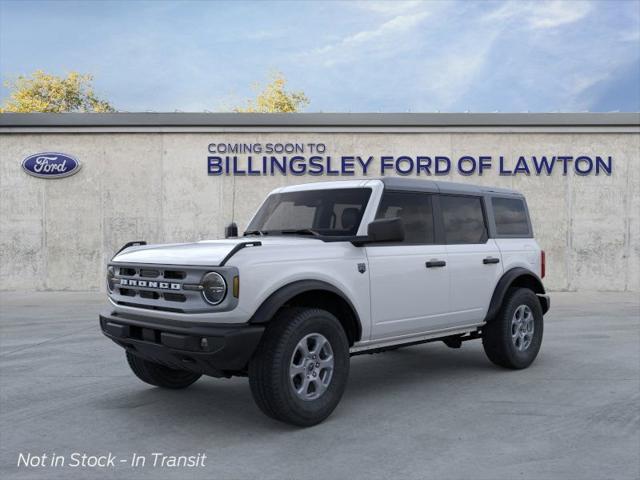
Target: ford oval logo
50 165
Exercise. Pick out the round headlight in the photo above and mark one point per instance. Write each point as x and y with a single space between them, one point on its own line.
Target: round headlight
214 288
111 273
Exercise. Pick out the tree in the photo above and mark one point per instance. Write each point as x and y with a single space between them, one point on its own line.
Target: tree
275 99
42 92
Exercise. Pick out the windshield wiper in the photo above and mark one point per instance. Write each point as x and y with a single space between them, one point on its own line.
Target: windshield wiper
255 232
300 231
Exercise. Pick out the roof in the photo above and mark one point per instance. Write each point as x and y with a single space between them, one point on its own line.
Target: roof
401 183
332 184
20 122
415 184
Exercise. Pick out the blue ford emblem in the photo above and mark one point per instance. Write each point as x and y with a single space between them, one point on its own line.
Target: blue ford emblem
50 165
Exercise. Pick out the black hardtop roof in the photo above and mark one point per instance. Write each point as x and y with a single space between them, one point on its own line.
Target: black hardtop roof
439 186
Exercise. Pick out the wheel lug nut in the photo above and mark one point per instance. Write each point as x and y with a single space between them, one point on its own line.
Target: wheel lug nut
314 374
317 364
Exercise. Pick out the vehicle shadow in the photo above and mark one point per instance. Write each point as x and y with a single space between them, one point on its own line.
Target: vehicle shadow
223 404
429 364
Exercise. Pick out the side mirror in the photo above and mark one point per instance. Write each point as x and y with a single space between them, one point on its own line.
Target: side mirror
382 230
231 230
386 230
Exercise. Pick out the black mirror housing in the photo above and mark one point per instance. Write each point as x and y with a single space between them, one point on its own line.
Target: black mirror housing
386 230
381 231
231 230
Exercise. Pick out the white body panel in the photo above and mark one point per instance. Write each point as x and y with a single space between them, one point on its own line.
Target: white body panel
272 268
406 296
520 252
207 252
472 281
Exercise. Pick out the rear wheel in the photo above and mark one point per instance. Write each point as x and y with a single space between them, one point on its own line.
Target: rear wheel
514 337
299 372
159 375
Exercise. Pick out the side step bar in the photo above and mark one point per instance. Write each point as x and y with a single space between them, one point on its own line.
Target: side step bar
417 339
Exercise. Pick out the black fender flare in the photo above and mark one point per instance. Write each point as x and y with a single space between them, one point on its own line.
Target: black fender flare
280 297
530 279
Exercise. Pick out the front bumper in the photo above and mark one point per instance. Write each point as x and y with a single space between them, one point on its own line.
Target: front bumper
211 349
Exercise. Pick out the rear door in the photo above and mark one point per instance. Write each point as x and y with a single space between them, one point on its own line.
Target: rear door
475 265
409 280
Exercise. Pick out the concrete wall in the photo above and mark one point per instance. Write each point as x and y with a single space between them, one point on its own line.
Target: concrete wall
58 234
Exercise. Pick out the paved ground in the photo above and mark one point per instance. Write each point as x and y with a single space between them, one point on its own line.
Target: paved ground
421 412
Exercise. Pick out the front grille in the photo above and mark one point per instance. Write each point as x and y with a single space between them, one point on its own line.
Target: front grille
158 287
153 277
147 273
174 297
174 274
153 295
149 294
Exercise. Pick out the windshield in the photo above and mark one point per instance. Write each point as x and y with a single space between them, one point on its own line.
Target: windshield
335 212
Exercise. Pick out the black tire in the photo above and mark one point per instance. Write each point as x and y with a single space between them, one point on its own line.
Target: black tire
159 375
497 334
269 375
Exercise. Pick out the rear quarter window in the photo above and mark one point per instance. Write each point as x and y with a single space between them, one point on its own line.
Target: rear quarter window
511 216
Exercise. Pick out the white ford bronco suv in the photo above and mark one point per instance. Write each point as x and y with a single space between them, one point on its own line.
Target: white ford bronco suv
326 271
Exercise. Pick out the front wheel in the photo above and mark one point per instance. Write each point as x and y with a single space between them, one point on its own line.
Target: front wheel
513 338
300 370
159 375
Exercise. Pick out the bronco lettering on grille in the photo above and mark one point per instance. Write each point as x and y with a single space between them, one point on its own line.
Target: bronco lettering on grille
149 284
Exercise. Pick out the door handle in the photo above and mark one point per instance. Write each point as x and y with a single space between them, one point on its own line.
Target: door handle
490 260
436 263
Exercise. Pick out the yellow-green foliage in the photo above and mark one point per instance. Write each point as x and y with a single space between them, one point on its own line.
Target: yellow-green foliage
42 92
275 99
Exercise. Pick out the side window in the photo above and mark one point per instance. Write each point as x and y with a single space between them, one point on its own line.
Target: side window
463 219
511 216
416 212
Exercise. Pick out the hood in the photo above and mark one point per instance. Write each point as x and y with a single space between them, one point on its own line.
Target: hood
207 252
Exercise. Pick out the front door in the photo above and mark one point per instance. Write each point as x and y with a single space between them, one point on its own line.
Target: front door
409 280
